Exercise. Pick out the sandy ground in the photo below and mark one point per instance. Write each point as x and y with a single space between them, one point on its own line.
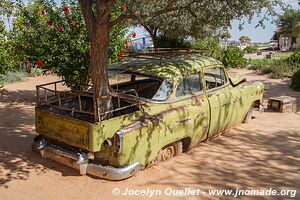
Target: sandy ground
260 155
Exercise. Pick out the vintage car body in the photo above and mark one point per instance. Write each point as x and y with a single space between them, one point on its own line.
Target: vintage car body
193 101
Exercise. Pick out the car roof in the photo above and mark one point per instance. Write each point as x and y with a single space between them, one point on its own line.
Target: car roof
172 69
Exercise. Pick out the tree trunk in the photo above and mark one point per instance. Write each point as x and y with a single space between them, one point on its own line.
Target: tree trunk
154 40
98 70
153 34
99 29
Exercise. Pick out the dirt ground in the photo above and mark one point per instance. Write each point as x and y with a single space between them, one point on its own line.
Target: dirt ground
260 155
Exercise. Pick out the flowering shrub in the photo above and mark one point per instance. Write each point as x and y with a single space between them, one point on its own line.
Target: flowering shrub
55 37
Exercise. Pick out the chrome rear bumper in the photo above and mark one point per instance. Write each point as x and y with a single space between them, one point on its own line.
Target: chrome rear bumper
79 161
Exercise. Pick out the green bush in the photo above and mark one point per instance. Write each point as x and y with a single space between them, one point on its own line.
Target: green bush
6 62
56 36
210 46
282 69
294 59
250 49
278 68
234 57
296 81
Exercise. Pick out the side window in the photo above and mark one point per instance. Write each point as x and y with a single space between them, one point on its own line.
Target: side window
214 77
189 85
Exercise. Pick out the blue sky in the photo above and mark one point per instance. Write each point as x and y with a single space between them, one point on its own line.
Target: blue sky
258 34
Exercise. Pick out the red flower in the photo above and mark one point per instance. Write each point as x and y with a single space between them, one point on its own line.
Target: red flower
126 21
60 29
121 55
39 63
123 8
50 23
43 12
134 35
66 9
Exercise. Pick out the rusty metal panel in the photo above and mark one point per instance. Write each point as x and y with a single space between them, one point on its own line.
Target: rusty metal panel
70 131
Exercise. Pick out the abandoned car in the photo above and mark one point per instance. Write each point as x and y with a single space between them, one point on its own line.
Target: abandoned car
161 107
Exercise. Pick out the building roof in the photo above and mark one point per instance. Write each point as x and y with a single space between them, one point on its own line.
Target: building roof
171 69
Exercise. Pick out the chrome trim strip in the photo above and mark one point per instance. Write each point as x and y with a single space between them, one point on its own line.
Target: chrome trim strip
112 173
120 137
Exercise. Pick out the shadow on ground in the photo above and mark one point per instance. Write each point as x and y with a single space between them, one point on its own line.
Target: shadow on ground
27 97
244 159
17 161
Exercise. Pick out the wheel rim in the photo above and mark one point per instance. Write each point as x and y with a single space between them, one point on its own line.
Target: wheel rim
167 153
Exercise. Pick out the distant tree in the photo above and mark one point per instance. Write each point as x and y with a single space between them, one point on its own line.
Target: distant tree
225 36
245 39
287 24
296 30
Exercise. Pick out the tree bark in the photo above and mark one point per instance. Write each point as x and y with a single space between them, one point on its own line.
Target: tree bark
99 29
153 34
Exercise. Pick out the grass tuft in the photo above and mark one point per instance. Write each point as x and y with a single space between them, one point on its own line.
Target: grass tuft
13 76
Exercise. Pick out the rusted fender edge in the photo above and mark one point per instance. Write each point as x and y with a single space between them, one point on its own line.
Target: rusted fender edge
79 161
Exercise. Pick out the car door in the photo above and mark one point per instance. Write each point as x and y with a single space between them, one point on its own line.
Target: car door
220 99
193 119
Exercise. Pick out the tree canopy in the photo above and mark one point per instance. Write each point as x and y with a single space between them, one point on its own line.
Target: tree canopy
181 18
288 24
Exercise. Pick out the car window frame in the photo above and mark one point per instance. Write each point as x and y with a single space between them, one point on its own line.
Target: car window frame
134 74
192 94
216 88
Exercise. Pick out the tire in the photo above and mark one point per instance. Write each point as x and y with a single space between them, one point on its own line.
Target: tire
170 151
248 115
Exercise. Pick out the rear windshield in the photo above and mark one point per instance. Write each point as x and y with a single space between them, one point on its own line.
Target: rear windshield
144 86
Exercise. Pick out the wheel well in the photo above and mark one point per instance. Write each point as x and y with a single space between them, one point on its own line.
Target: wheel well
256 104
186 143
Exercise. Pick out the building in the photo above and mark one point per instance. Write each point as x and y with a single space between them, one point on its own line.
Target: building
140 43
285 43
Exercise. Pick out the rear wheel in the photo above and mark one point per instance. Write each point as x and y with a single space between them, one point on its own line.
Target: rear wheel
169 151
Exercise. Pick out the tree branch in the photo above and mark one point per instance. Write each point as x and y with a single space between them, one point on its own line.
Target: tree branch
169 8
88 15
103 9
